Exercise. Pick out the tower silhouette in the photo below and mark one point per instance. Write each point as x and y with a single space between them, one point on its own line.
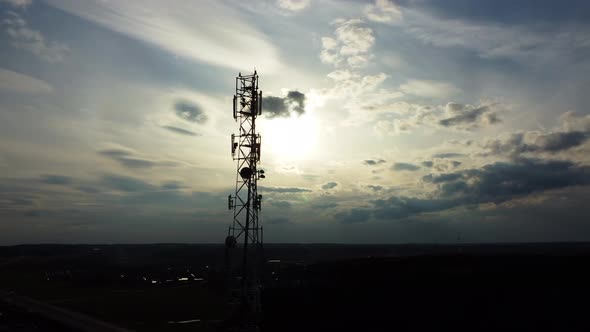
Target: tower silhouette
245 231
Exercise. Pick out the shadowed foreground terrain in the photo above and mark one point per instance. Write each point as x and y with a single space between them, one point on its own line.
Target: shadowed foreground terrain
455 293
176 287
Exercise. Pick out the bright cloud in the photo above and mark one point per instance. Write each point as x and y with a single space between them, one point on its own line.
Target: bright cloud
183 29
11 81
383 11
294 5
429 89
381 115
350 46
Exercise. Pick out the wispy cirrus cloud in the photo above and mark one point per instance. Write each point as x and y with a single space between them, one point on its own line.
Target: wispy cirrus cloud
18 3
180 131
183 29
20 83
537 43
284 190
129 160
24 37
293 5
429 88
383 11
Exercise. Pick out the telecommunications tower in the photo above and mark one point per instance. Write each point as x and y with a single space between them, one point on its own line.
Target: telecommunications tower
245 230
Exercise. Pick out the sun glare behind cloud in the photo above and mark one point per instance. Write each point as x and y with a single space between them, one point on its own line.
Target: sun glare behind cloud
293 138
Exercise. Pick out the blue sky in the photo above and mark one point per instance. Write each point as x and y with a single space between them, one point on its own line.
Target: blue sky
393 121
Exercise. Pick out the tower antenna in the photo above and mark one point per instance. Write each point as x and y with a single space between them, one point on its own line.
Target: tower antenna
246 203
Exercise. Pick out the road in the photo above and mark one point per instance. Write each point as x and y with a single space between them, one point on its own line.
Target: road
66 317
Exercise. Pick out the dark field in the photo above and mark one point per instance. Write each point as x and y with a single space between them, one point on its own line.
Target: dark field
175 287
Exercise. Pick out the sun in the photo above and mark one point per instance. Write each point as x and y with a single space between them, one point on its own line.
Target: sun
290 139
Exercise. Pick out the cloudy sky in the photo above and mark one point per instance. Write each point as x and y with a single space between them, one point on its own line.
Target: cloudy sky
384 122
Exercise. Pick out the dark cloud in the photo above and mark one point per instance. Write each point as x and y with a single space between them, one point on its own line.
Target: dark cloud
126 159
88 189
55 179
329 185
554 142
115 153
20 200
156 197
447 155
427 163
354 216
559 141
493 183
375 187
402 207
283 190
455 116
135 163
125 183
278 221
277 107
180 131
125 211
274 107
503 11
445 177
513 145
189 111
297 100
502 181
441 165
373 162
467 117
280 204
455 107
32 213
404 167
173 185
170 200
324 205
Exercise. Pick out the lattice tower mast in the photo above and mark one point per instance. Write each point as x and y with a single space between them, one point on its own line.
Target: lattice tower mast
246 202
